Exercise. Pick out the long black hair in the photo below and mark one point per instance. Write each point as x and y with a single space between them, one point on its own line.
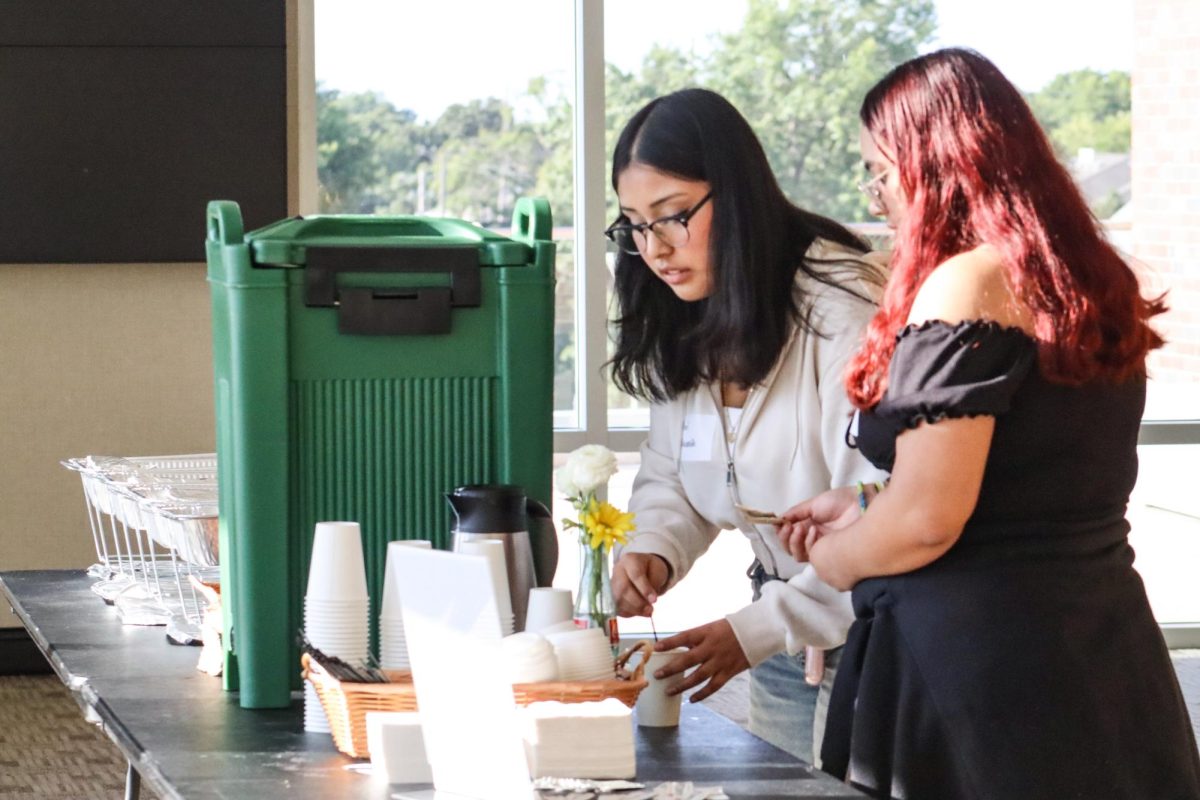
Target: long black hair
666 346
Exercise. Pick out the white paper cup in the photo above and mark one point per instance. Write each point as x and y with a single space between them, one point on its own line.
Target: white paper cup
493 551
389 606
529 658
583 654
336 571
393 646
314 608
655 708
339 629
315 720
336 606
347 623
548 607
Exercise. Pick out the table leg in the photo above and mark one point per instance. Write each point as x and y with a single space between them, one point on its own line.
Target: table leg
133 783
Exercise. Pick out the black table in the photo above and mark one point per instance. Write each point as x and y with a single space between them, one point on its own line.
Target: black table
187 738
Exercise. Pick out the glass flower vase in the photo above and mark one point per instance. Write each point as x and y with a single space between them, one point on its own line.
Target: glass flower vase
594 603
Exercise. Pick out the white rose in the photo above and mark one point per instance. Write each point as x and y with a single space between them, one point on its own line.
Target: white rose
562 479
586 470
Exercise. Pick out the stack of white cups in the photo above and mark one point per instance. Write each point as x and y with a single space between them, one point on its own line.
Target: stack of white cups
493 551
336 605
550 610
393 647
529 658
583 654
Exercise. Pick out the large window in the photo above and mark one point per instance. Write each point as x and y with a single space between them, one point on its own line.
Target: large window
454 109
459 107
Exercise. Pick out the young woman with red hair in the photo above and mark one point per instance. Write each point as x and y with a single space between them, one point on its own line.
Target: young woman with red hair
1003 645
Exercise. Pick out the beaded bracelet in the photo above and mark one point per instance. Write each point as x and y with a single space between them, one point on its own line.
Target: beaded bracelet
861 490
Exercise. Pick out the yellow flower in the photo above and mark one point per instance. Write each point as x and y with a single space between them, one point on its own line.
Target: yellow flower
606 524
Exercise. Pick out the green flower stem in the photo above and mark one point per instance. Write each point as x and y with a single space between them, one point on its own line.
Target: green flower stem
595 600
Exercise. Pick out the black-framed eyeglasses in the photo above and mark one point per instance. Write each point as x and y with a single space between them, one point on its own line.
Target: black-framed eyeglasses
671 231
873 188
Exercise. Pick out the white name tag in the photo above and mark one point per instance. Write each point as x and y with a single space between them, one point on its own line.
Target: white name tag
699 430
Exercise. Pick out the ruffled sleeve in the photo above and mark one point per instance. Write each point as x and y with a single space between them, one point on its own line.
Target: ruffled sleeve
965 369
941 370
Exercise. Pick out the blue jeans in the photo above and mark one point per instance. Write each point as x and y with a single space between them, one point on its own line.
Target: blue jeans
786 711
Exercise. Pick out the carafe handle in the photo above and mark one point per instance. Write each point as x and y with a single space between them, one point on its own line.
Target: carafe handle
543 540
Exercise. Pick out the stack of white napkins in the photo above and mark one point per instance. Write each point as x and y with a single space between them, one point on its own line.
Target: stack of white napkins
579 740
397 747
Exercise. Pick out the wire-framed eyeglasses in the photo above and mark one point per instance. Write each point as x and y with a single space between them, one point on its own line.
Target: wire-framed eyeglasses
671 231
873 188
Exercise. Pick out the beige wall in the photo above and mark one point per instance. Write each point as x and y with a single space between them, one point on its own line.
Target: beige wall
94 359
114 360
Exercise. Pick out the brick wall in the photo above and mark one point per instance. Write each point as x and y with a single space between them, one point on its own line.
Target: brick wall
1166 188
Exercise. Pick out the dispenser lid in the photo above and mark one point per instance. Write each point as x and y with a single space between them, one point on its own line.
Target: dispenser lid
489 508
286 243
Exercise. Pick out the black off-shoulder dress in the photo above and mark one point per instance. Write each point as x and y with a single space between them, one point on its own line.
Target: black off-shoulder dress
1025 663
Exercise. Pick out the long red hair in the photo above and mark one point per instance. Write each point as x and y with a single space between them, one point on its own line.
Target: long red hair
976 168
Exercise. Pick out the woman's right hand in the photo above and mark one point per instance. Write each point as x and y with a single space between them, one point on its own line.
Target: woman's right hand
806 522
637 580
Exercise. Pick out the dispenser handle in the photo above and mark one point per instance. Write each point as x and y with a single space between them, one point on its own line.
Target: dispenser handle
543 540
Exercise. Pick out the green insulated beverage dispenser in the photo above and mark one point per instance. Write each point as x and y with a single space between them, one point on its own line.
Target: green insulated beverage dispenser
365 366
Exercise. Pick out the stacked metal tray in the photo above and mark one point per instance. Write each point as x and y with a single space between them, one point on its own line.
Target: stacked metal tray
154 524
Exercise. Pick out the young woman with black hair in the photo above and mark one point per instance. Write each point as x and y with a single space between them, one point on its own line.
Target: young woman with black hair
737 314
1004 647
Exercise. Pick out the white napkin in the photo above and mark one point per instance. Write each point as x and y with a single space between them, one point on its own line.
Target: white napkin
579 740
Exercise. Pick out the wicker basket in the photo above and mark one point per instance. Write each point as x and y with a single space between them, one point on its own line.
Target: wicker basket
346 704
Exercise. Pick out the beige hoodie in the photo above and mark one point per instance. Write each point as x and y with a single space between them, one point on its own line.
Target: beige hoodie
788 446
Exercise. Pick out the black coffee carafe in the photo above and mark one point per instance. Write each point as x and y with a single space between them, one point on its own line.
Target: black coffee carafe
504 513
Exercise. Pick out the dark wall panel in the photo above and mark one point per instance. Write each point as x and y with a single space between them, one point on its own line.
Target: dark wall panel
142 22
110 154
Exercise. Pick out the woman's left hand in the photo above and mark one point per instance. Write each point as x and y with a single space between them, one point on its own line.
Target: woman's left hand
805 523
715 652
